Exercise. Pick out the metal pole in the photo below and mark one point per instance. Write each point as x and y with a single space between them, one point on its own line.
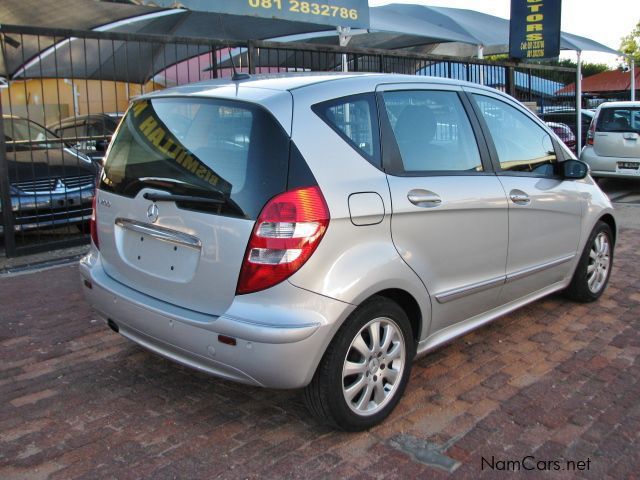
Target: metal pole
632 64
5 195
511 81
344 37
579 104
480 66
252 57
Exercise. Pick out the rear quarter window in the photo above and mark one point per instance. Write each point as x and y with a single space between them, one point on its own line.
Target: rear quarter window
354 118
200 147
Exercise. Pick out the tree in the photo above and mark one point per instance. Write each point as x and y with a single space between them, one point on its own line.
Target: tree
630 44
588 69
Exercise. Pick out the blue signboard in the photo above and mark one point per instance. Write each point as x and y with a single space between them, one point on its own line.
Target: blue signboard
345 13
535 29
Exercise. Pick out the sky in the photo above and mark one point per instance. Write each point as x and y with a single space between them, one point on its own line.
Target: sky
603 21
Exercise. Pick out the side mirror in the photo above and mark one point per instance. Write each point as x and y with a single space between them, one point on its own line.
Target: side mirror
574 169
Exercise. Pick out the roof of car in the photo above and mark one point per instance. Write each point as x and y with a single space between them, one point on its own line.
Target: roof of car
293 81
620 104
82 118
8 116
566 110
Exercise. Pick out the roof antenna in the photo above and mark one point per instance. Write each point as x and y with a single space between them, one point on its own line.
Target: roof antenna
236 76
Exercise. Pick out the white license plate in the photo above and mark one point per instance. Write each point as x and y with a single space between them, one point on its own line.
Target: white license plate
628 168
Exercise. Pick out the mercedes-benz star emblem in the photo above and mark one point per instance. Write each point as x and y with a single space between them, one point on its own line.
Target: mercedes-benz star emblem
152 213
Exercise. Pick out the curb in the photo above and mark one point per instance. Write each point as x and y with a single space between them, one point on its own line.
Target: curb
39 266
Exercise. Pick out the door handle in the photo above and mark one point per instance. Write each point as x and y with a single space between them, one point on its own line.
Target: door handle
424 198
519 197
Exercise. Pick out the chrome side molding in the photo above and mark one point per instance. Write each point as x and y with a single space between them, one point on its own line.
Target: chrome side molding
538 268
160 233
456 293
460 292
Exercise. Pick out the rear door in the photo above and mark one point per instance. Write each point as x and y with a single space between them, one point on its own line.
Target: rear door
184 181
449 219
617 133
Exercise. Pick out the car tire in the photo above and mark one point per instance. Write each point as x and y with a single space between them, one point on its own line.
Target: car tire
353 388
594 268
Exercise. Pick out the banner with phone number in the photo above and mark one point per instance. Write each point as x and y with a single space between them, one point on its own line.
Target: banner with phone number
345 13
534 31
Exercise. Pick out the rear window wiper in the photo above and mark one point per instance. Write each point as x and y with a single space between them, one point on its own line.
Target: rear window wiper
210 196
179 187
171 197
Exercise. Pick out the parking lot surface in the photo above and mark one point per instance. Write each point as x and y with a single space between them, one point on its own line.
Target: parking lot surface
553 387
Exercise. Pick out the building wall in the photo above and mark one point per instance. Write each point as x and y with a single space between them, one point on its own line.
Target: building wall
48 100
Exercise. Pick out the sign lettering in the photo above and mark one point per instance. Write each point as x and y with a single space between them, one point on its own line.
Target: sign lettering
534 32
345 13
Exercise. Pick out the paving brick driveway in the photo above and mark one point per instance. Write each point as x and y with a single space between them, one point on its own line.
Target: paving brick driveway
554 381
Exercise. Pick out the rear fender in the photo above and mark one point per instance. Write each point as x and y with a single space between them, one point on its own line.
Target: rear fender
353 271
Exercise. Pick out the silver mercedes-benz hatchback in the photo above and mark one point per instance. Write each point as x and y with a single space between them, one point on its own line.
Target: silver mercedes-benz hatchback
321 231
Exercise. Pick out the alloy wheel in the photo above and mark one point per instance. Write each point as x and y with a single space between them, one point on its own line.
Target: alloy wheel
373 366
599 262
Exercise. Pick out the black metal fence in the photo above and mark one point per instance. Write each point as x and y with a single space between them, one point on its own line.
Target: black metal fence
67 90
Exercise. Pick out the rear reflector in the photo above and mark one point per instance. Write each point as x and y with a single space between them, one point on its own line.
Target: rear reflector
287 232
227 340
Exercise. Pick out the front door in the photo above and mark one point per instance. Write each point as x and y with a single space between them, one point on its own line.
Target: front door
545 210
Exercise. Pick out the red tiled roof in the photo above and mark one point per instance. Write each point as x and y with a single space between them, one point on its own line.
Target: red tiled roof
610 81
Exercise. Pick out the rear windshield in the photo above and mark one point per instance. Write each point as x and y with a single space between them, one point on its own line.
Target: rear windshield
201 148
619 120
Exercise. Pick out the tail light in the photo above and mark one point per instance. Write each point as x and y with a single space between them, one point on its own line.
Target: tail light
92 223
286 234
591 133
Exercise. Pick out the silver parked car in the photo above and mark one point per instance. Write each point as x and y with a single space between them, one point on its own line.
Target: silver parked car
613 141
321 231
51 183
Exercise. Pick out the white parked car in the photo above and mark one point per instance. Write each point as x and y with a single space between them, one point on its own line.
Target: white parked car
613 141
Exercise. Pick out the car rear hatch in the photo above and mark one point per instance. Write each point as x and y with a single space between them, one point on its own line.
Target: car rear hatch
617 133
183 182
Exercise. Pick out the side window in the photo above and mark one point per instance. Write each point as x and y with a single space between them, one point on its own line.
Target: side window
95 129
521 144
72 132
354 119
433 131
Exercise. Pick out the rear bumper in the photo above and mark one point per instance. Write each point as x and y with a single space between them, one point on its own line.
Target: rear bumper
607 166
281 334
